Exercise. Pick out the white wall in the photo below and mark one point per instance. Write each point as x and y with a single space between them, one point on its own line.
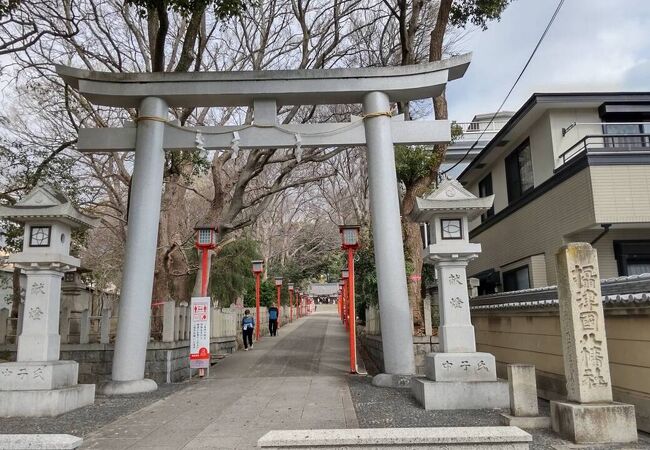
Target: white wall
541 148
563 119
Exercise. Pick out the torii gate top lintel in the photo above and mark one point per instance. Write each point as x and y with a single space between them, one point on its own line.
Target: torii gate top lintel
286 87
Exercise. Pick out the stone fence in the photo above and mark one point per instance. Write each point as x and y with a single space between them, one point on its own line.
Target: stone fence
524 327
169 323
370 337
89 340
373 324
422 346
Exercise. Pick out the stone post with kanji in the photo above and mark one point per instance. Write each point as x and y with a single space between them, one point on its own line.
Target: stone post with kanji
589 414
582 322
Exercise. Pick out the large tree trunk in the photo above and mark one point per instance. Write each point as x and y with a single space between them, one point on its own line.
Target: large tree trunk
172 280
413 244
15 297
413 249
161 22
412 238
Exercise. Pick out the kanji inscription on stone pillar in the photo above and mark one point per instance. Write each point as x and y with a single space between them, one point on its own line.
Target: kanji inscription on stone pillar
582 323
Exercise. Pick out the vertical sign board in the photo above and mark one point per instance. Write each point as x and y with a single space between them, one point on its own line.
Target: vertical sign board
200 333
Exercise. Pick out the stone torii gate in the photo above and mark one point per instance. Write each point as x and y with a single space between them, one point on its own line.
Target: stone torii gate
154 93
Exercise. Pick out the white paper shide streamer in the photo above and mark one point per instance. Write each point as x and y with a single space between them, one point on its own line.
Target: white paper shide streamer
234 144
298 149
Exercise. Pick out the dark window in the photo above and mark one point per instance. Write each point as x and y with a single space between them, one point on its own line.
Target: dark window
626 118
632 257
516 279
489 281
485 190
626 128
519 172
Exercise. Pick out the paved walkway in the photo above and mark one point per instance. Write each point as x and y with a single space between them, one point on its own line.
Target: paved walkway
296 380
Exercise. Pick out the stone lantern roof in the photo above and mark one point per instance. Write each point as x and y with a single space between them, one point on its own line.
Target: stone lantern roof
450 197
45 202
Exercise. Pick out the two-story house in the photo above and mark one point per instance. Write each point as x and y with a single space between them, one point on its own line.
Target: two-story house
564 168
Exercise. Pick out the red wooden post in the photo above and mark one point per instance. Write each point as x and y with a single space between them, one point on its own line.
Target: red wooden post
352 313
278 287
290 302
257 306
204 272
206 240
350 242
279 307
258 268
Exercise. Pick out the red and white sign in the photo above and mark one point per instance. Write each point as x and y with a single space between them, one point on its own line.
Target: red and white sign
200 333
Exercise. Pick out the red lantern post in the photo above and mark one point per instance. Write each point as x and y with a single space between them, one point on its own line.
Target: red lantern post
278 288
350 242
258 268
344 297
290 302
206 240
340 300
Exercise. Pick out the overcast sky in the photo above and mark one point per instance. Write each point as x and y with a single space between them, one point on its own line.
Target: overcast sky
593 45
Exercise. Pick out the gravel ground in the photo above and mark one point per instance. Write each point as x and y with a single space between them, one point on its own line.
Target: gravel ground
386 408
83 421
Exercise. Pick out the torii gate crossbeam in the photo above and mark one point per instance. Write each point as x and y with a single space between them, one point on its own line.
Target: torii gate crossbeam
154 93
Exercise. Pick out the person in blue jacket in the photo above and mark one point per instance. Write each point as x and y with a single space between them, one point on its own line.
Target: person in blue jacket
273 320
247 327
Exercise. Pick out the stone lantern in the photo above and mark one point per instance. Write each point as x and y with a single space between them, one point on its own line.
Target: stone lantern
458 377
38 384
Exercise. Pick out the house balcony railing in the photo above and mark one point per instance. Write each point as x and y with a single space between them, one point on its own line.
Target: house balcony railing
470 131
608 144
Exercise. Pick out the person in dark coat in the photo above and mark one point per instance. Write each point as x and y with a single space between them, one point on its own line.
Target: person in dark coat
247 327
273 320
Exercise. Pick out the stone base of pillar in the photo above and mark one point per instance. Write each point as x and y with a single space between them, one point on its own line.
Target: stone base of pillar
474 366
594 422
42 388
444 395
390 380
127 387
33 441
38 375
530 422
46 403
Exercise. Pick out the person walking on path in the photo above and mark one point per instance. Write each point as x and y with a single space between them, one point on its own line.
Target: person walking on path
273 320
247 327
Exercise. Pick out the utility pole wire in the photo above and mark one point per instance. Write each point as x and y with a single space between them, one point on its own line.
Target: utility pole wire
530 58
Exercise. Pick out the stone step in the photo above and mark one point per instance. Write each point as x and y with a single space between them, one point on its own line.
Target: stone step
458 437
45 403
39 441
434 395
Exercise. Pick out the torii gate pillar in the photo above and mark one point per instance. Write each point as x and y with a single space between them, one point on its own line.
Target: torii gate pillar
396 337
140 258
